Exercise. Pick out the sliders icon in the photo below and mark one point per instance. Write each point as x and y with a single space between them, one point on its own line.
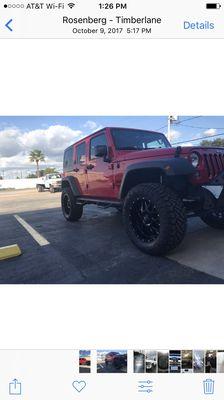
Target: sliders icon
145 386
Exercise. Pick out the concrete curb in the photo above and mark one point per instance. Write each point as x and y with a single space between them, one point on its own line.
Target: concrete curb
10 252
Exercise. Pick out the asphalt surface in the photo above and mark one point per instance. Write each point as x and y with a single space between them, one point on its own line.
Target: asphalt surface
95 249
103 368
84 369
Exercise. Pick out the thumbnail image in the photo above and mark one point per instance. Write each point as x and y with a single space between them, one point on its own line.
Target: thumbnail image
199 361
163 361
112 361
175 361
187 361
150 361
220 361
139 361
210 361
84 361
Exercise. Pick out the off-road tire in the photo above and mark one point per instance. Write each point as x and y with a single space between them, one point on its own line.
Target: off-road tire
71 210
167 211
40 188
215 219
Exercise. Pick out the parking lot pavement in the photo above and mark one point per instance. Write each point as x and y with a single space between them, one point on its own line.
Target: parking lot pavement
97 250
103 368
84 369
15 201
203 250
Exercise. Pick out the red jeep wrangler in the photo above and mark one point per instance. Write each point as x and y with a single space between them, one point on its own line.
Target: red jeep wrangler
156 186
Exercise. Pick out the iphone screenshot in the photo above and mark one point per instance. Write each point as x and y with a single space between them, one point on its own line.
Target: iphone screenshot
111 200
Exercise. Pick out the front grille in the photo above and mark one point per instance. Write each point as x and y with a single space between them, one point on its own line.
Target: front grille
214 164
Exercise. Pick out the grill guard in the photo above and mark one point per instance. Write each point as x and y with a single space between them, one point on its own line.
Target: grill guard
214 164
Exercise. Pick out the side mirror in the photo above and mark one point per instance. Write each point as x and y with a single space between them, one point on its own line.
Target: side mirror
100 150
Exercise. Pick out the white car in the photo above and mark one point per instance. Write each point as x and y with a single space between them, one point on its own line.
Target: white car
50 182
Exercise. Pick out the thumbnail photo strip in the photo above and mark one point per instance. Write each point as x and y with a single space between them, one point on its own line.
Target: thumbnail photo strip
151 361
178 361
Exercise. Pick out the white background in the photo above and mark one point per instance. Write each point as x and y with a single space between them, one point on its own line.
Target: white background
156 77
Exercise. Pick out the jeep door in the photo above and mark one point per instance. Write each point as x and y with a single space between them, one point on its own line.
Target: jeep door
99 170
79 170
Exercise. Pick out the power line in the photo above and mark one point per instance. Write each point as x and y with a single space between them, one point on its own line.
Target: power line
179 122
164 126
199 127
188 119
201 138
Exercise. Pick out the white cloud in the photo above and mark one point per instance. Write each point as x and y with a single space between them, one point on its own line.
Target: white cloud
90 125
15 144
174 135
210 132
52 140
9 144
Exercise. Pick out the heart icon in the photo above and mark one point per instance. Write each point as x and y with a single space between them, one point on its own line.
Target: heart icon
79 385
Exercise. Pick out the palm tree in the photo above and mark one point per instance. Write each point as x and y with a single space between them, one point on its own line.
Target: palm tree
37 156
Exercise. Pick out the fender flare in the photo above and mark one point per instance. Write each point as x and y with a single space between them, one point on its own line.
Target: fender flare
70 181
168 167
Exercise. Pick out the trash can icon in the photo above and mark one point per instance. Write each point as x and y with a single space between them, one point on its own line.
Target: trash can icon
209 386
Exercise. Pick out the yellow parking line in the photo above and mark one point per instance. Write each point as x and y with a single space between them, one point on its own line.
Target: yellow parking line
35 235
9 251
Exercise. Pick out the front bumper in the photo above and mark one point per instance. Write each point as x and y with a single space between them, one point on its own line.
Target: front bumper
218 180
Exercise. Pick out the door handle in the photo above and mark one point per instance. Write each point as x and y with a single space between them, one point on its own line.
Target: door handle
76 169
90 166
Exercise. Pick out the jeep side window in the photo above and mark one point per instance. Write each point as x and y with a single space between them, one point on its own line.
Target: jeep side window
96 141
68 159
81 153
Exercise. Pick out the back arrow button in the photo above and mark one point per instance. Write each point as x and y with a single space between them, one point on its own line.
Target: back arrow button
7 25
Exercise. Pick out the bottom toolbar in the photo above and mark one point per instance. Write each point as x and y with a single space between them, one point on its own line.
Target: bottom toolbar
132 374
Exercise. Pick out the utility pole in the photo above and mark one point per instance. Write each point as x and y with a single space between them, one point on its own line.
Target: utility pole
171 120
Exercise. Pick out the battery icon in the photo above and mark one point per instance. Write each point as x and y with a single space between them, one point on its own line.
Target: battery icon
213 6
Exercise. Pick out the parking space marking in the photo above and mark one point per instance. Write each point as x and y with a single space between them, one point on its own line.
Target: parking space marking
35 235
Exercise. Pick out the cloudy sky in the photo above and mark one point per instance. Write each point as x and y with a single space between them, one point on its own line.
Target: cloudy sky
20 135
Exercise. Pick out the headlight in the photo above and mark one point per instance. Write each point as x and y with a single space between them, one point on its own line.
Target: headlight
195 159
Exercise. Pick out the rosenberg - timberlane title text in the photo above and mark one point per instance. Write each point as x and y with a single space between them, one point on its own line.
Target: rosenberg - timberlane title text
117 19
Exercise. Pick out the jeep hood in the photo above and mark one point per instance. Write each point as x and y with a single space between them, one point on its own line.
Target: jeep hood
124 155
169 152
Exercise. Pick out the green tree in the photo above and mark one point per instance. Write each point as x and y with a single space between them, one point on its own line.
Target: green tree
30 176
213 143
50 170
37 156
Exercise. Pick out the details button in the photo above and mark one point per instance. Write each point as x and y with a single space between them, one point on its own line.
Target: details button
199 25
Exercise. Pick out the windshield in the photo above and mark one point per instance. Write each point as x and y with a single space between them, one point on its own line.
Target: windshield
131 139
55 176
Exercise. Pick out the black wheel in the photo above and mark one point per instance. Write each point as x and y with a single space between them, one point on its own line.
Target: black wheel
213 217
154 218
52 189
40 188
71 210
